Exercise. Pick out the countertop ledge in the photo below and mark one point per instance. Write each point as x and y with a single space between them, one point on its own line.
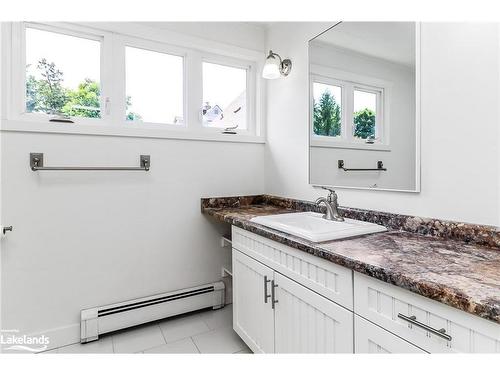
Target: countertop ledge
453 270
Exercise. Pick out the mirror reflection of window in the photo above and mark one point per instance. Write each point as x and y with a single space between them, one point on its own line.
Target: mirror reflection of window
364 116
327 110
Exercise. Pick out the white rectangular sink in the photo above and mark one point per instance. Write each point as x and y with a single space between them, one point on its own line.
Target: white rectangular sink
312 226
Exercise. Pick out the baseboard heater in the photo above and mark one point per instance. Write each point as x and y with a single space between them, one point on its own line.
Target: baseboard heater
104 319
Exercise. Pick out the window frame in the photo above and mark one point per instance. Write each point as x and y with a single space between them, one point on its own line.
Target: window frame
379 115
343 97
18 98
250 89
121 99
351 82
114 38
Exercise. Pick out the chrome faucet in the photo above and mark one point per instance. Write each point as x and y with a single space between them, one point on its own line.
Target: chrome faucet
331 203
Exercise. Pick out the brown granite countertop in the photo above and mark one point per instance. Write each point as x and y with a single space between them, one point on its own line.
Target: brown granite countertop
449 270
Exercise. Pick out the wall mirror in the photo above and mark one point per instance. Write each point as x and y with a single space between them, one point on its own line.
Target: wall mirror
364 129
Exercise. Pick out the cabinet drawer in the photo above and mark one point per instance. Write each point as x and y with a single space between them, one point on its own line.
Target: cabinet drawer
370 338
388 305
326 278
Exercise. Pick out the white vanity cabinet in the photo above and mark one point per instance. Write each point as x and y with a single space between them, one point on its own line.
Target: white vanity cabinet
274 314
288 301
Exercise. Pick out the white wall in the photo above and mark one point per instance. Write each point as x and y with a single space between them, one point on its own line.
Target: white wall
460 142
399 122
84 239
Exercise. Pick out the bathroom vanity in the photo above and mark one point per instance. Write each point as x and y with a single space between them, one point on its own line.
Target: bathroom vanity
402 291
301 286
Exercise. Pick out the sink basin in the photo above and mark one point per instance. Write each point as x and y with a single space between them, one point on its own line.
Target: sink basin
312 226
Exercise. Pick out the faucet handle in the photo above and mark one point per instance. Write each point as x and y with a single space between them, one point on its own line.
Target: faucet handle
332 195
328 188
331 191
325 188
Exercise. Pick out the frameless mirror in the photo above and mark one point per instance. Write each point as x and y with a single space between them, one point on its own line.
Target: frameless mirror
364 105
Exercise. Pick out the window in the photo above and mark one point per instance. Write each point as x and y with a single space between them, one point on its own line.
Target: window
346 112
62 74
111 83
327 107
224 96
154 87
364 116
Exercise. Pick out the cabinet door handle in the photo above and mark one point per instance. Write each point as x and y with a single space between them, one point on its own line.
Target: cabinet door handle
266 296
274 301
413 320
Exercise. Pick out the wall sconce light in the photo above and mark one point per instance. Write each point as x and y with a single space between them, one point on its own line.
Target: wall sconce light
275 67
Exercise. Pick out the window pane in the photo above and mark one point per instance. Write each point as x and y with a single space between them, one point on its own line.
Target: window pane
224 96
62 74
365 109
327 116
154 86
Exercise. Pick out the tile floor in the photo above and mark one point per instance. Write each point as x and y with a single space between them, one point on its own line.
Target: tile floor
208 331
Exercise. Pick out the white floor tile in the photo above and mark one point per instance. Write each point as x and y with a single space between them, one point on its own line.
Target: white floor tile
104 345
205 332
221 340
219 318
185 346
180 328
138 339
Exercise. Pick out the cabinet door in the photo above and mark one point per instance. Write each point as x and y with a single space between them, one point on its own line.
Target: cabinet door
306 322
253 317
370 338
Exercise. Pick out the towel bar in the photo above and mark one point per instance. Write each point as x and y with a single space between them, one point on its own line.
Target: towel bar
380 167
36 164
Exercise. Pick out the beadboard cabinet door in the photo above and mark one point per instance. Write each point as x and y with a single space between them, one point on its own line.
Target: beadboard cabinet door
306 322
253 316
370 338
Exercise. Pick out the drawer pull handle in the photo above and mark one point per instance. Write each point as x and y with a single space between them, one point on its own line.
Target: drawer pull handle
274 301
266 296
413 320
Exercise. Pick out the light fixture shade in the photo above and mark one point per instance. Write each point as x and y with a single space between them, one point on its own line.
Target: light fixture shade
271 68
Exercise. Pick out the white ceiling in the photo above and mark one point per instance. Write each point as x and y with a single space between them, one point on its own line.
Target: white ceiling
392 41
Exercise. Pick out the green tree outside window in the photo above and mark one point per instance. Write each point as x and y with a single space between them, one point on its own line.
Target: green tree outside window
47 95
327 116
364 124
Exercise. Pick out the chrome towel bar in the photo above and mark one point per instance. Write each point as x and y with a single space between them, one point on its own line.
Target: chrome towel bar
380 167
36 164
